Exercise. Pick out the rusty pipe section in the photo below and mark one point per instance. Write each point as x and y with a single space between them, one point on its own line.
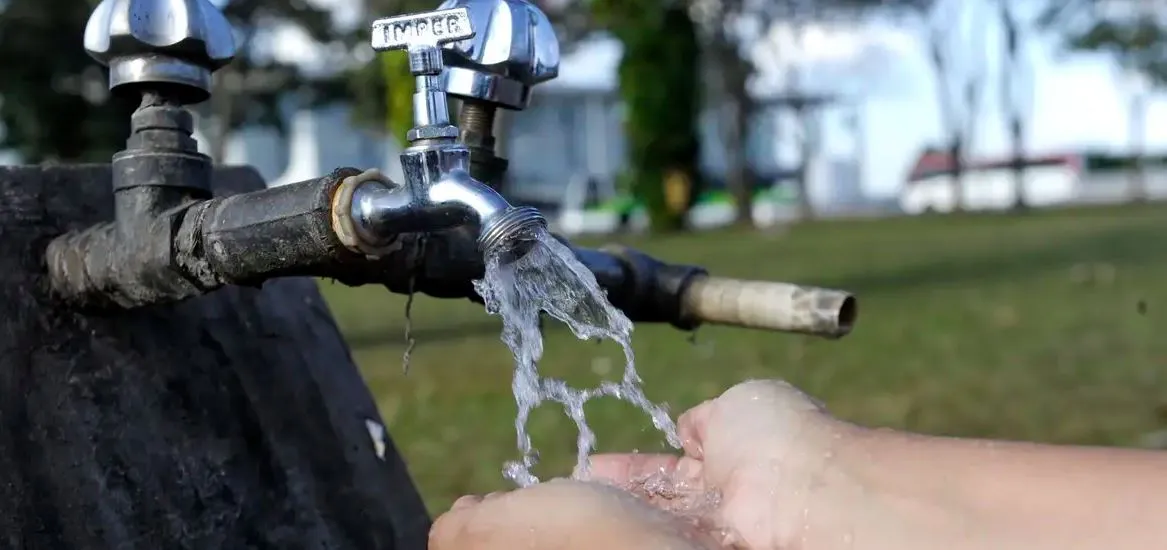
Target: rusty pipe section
309 229
200 246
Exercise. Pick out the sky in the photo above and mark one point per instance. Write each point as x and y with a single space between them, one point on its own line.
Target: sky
1077 101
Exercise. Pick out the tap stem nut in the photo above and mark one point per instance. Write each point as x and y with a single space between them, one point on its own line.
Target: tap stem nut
425 61
430 104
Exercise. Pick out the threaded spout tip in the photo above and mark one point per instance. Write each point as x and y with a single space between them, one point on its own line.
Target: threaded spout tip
512 233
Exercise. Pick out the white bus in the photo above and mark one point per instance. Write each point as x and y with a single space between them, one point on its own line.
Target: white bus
988 185
1049 180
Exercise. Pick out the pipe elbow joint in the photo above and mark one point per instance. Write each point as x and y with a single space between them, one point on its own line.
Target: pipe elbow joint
372 211
101 268
460 199
500 226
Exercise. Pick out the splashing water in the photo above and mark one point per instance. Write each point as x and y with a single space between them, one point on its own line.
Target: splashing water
550 279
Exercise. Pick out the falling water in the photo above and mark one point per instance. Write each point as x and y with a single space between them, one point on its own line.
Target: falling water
550 279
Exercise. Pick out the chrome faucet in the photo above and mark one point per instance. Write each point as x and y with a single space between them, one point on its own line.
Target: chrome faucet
438 192
168 238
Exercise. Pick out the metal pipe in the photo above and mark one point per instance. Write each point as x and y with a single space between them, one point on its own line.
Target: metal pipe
432 234
201 246
303 229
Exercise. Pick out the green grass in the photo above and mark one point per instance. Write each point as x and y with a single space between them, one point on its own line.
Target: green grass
1026 327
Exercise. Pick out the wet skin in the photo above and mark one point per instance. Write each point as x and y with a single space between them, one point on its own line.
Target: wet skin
790 477
735 445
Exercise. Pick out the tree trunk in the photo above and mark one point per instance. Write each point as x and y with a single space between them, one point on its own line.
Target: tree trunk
1017 136
1011 67
1138 176
735 132
234 420
227 84
805 151
956 152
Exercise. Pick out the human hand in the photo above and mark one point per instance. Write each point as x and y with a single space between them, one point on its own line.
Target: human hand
763 445
562 514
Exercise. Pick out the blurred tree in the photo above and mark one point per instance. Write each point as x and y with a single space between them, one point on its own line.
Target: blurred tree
1135 35
954 31
957 50
1016 90
660 85
727 45
53 99
55 104
251 90
382 90
730 68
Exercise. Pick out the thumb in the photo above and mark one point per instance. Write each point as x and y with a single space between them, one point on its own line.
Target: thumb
692 427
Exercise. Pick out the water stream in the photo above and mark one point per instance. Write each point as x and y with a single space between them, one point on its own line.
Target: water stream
550 279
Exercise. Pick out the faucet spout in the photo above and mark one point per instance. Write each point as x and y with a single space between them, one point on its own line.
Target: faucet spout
500 225
381 210
474 200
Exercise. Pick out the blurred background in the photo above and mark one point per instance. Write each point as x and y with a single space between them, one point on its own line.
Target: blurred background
986 176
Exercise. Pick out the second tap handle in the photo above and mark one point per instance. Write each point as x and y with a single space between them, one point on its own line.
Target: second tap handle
765 305
421 34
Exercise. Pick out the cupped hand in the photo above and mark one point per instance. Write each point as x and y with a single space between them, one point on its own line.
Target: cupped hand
764 446
754 459
564 515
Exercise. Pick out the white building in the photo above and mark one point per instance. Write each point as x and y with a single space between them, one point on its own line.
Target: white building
573 128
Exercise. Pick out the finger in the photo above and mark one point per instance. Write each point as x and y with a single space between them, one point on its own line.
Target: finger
691 427
466 502
622 469
689 469
448 529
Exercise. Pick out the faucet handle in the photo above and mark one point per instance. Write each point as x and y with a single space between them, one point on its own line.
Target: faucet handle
515 50
145 44
421 34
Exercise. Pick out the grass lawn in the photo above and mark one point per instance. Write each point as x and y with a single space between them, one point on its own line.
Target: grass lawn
1050 327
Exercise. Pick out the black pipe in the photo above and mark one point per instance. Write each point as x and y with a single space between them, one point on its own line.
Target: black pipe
647 290
284 231
200 246
276 232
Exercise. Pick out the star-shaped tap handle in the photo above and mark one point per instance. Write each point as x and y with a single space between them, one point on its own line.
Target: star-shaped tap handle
171 45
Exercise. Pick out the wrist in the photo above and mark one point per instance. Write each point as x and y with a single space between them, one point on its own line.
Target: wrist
872 493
